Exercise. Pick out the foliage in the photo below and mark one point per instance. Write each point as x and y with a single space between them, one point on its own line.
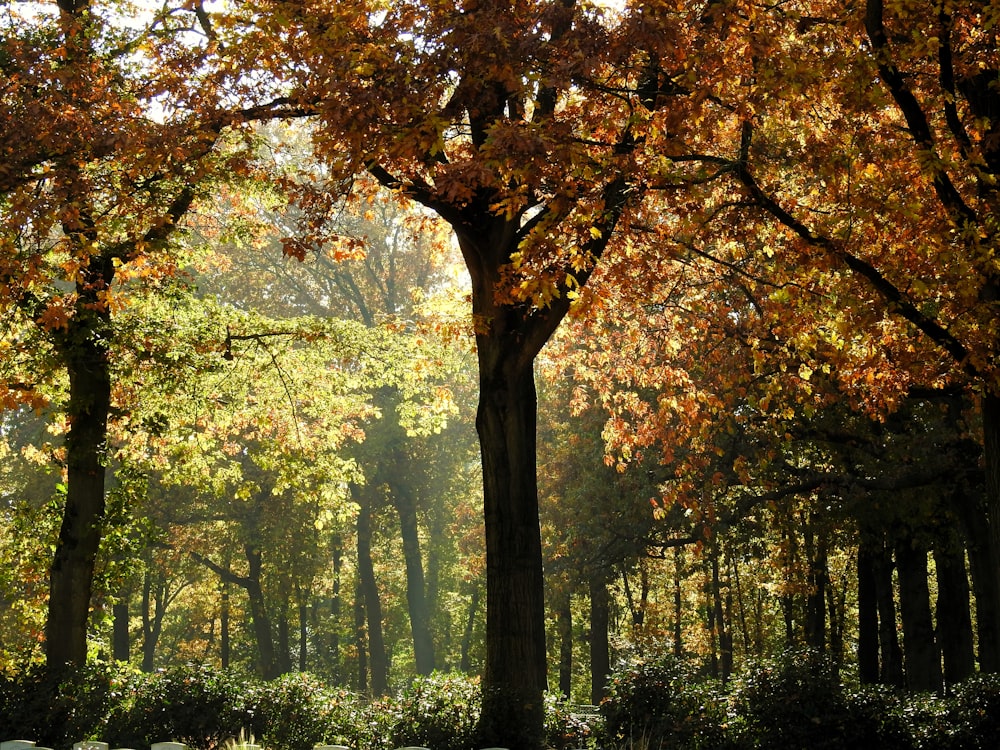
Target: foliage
55 708
567 727
297 712
657 699
198 706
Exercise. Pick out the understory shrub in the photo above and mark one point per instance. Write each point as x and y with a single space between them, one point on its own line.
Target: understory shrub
440 712
566 727
55 708
656 701
297 712
199 706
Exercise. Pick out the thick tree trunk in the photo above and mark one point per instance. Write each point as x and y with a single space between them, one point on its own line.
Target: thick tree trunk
515 675
416 599
84 350
600 651
989 607
954 617
867 616
263 632
921 657
372 603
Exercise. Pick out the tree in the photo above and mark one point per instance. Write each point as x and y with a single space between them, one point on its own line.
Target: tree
92 193
512 122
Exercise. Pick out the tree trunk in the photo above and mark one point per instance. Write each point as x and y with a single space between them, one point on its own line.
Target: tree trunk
283 653
336 553
224 653
600 652
892 655
954 617
921 657
416 599
303 635
564 624
515 675
465 663
267 662
815 620
83 348
361 639
120 639
867 616
372 603
152 621
678 603
991 539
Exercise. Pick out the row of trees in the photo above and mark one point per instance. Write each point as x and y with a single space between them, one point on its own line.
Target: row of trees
776 218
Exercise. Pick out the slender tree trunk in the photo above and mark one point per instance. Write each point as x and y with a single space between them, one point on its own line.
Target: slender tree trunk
373 605
921 657
283 655
423 642
867 616
84 351
815 620
153 609
120 636
564 624
892 655
465 663
678 603
336 554
303 635
600 652
740 600
224 645
954 617
361 639
721 624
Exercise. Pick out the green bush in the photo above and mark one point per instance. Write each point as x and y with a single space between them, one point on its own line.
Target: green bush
566 728
440 712
199 706
297 711
54 708
657 701
791 702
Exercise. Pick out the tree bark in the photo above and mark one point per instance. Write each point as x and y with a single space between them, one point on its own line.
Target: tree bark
867 616
891 672
600 652
120 638
465 659
372 603
416 598
815 620
564 625
83 348
954 617
267 662
678 603
361 639
515 675
991 590
921 656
